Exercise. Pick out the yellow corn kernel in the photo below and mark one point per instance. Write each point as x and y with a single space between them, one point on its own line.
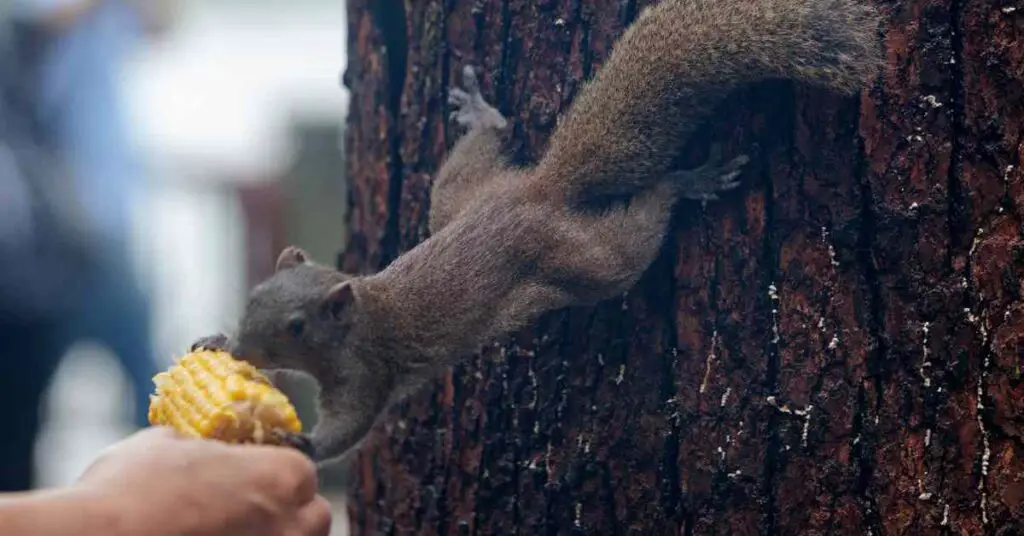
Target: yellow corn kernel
211 395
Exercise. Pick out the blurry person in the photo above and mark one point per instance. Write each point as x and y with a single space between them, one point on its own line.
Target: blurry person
45 248
83 46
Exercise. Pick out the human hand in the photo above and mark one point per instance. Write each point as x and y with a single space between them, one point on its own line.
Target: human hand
157 483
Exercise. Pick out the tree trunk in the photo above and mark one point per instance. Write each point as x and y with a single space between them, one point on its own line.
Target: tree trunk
833 349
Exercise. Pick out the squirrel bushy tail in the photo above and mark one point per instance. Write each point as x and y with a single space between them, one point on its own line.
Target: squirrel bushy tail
678 61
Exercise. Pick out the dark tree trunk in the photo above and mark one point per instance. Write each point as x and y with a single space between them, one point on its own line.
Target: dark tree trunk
834 349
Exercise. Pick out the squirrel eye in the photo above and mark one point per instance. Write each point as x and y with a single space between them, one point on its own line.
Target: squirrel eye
295 326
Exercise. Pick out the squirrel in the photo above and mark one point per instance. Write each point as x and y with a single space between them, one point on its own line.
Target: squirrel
510 243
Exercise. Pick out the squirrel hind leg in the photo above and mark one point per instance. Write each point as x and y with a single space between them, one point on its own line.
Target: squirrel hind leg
476 160
713 176
621 243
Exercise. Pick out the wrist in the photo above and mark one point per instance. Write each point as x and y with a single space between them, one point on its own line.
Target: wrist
113 512
101 513
71 510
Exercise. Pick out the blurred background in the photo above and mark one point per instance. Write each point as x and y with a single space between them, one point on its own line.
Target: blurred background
155 157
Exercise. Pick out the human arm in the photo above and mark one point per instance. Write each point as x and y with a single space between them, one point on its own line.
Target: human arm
156 483
56 513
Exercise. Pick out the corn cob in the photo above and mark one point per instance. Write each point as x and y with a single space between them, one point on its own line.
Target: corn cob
211 395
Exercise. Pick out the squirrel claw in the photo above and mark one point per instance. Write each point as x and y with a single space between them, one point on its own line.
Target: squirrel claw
217 343
458 97
705 181
737 163
469 80
471 110
300 442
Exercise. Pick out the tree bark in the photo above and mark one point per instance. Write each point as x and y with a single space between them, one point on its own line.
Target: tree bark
834 349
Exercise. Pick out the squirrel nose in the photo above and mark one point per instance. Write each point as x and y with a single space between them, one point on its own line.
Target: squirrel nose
255 359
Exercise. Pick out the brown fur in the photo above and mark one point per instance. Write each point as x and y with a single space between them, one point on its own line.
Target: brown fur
510 244
679 61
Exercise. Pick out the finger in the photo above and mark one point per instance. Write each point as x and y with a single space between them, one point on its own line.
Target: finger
307 483
314 519
286 473
152 434
144 439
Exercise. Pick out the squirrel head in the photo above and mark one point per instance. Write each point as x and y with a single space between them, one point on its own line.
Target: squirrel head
297 313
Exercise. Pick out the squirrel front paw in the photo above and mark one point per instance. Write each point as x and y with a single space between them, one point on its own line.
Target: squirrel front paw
471 110
216 343
301 442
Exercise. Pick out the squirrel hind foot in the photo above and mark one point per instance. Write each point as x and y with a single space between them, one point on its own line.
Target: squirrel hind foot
471 109
705 182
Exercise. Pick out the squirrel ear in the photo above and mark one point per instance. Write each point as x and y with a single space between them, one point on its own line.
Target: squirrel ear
291 257
338 299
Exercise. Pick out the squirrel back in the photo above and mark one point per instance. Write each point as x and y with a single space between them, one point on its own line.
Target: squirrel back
677 62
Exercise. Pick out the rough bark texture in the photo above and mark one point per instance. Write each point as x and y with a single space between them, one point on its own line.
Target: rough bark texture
835 349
